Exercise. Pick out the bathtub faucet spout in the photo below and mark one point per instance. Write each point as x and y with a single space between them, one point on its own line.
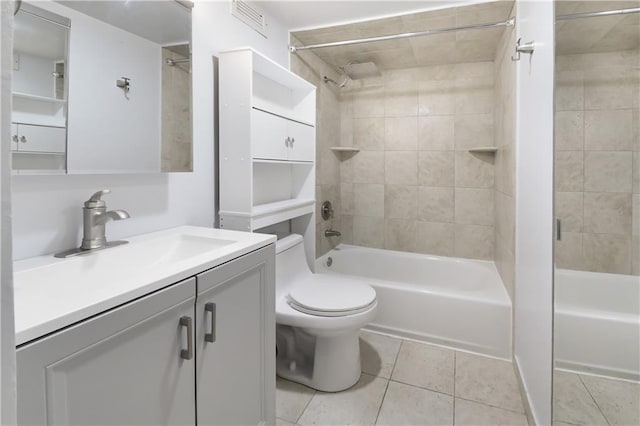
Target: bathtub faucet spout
332 233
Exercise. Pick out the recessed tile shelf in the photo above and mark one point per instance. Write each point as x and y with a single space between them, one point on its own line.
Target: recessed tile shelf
344 149
484 149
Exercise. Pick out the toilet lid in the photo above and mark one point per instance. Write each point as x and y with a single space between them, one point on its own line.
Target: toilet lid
331 298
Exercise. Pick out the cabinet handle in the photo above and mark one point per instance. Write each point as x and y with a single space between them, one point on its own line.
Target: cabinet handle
23 139
286 141
188 323
211 307
292 141
15 138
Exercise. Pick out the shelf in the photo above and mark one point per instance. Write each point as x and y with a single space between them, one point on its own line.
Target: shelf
38 98
280 206
344 149
279 112
283 162
267 214
484 149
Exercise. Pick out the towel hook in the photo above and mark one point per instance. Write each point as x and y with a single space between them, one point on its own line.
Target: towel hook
527 48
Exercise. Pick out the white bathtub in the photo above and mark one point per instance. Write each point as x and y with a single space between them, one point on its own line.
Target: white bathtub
454 302
597 323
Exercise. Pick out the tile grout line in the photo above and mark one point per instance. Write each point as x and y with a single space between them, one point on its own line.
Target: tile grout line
455 359
315 392
388 381
593 399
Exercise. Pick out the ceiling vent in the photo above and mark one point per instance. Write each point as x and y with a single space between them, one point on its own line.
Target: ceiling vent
251 16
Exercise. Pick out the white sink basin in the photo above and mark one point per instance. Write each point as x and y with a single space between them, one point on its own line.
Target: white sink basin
52 293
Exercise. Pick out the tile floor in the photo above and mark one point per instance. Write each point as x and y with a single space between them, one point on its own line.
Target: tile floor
590 400
409 383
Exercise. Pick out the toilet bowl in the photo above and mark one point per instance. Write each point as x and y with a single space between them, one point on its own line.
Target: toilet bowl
318 319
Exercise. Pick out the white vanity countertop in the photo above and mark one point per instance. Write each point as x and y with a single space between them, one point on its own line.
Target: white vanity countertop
52 293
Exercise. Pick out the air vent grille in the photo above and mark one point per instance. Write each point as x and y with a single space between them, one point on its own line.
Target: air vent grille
251 16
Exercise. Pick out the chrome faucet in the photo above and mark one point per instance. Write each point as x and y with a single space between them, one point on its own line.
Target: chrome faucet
95 217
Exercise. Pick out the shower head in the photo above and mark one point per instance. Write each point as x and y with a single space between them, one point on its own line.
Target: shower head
357 71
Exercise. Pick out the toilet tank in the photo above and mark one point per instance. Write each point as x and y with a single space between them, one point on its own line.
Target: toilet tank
291 263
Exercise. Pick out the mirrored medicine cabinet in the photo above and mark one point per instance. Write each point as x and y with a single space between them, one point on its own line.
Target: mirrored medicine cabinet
102 87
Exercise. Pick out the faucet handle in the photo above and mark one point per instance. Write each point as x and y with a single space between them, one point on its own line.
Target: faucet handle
95 201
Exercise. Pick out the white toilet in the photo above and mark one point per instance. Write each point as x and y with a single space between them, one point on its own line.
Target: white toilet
318 319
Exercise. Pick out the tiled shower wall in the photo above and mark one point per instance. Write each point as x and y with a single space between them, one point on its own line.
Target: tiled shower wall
597 161
176 112
414 186
307 65
504 190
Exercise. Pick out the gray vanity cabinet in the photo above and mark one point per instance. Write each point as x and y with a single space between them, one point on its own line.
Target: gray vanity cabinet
144 362
123 367
235 343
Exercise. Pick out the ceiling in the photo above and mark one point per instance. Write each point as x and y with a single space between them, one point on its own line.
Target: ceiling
599 34
454 47
307 14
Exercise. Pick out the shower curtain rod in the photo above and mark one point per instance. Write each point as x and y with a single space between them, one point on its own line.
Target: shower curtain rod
508 23
594 14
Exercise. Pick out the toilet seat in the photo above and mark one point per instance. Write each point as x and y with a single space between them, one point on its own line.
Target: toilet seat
329 298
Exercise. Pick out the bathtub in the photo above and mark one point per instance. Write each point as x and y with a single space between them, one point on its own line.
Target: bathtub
597 323
459 303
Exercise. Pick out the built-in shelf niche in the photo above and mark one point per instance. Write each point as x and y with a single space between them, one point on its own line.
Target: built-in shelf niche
484 150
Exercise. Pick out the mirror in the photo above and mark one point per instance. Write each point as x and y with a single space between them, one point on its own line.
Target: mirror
102 87
597 203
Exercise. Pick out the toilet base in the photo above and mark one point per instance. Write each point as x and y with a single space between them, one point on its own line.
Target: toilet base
325 360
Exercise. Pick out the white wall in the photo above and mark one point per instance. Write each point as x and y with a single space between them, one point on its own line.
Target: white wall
34 76
47 210
534 208
7 340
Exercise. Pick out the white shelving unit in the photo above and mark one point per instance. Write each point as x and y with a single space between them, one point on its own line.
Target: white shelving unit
267 146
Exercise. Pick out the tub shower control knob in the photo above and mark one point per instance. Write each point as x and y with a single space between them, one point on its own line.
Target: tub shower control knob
326 210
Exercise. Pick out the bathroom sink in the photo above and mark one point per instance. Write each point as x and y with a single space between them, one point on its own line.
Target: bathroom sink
51 293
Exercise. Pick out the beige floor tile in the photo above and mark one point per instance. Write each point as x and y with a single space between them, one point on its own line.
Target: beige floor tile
291 399
475 414
487 380
425 366
572 402
355 406
619 401
378 354
408 405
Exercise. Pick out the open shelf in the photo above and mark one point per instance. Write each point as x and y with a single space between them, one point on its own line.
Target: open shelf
278 211
484 149
283 162
38 98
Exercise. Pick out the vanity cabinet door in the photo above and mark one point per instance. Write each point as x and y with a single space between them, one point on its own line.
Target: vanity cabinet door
127 366
235 341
